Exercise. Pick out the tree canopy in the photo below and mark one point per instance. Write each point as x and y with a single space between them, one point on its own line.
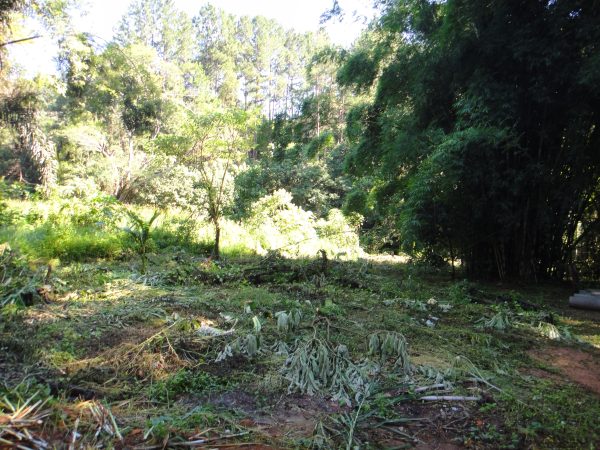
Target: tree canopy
460 131
483 129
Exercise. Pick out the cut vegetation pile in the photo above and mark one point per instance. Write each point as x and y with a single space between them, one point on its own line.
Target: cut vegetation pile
276 353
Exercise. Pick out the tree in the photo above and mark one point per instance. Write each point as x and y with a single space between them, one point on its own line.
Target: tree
219 143
36 154
483 129
160 25
133 94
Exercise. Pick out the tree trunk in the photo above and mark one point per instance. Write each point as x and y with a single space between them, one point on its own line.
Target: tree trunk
216 252
130 158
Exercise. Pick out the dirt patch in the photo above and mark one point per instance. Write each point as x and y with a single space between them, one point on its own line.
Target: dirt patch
115 337
433 425
436 425
292 416
577 365
297 415
235 399
233 364
544 374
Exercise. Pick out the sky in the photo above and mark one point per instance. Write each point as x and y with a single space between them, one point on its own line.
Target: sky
103 15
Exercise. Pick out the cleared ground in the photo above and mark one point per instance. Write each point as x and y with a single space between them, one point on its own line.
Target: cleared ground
197 354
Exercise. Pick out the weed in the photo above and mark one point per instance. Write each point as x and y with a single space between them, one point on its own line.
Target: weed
331 309
185 382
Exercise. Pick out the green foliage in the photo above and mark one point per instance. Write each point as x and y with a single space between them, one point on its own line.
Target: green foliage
14 190
178 231
277 224
185 382
320 145
8 216
76 244
218 142
17 279
65 242
70 231
339 234
359 69
310 182
468 127
356 202
167 183
139 233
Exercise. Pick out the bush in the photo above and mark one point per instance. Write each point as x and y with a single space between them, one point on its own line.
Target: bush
338 234
15 190
77 187
165 182
178 232
278 225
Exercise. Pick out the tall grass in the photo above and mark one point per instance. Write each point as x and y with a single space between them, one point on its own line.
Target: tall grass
50 229
68 243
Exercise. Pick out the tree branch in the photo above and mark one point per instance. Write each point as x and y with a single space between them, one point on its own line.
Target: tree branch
16 41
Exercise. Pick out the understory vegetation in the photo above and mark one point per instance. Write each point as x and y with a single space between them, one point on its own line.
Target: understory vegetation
288 352
216 232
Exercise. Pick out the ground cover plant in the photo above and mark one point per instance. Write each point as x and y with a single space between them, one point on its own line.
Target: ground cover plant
268 352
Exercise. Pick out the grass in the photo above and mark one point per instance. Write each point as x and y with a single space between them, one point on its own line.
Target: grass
123 359
79 231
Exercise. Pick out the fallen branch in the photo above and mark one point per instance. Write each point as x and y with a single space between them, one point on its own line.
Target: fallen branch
429 388
206 441
450 398
404 435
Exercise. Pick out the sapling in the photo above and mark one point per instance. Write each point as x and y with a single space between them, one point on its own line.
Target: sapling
139 232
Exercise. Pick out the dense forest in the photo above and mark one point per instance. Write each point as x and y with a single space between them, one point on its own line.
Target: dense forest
212 223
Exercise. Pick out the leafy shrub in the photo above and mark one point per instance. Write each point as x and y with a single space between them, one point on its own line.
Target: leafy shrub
101 211
278 224
77 187
356 202
175 231
338 234
14 190
309 181
167 183
8 216
460 292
